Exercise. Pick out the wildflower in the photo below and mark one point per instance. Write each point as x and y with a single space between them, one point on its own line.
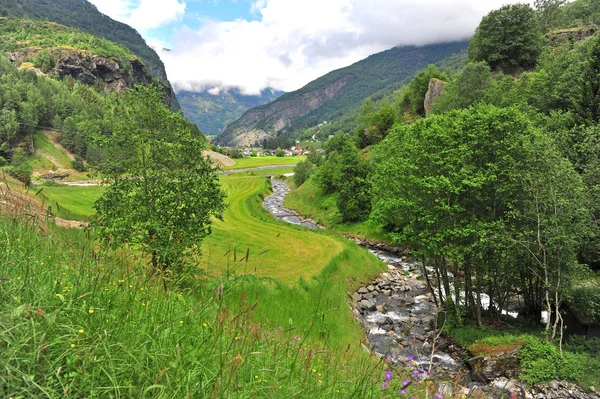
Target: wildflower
91 311
255 376
72 345
411 358
388 378
180 321
438 396
403 392
81 331
204 325
314 371
405 383
416 375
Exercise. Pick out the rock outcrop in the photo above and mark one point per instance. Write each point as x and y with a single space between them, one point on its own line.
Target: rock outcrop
268 120
435 90
92 70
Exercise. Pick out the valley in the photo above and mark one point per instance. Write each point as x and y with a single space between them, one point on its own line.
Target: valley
419 223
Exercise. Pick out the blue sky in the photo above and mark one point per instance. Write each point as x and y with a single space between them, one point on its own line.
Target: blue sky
285 44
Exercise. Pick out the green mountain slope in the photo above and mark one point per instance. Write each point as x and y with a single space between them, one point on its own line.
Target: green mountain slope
83 15
212 113
332 95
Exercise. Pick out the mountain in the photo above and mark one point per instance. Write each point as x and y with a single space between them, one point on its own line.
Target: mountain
85 16
331 95
213 112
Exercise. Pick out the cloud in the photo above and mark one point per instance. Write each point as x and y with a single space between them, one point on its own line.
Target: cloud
292 42
143 15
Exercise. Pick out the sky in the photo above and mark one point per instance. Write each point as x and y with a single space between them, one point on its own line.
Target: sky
213 45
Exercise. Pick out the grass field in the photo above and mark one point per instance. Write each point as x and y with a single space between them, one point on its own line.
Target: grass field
78 321
43 145
277 249
89 323
255 162
69 202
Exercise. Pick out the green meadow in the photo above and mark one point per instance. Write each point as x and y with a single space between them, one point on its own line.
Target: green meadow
77 320
255 162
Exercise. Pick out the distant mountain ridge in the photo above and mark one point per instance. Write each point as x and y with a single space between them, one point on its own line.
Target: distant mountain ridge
331 95
213 112
85 16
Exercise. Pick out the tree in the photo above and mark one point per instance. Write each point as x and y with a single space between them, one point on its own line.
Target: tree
163 192
302 171
508 39
467 89
549 12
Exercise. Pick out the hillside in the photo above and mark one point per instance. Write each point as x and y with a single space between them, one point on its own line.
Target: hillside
333 94
213 112
83 15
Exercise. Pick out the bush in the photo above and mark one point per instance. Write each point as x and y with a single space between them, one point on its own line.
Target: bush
22 173
302 172
539 361
78 164
279 153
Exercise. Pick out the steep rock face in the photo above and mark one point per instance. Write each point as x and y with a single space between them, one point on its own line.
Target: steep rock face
267 121
92 70
435 90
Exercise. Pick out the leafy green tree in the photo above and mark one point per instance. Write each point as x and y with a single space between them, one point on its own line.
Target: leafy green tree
587 102
467 89
302 172
163 192
508 39
549 12
354 187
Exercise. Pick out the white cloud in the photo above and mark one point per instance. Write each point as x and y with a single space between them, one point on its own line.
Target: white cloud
295 41
142 15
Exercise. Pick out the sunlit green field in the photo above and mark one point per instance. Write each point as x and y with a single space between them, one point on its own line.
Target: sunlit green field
255 162
276 249
71 203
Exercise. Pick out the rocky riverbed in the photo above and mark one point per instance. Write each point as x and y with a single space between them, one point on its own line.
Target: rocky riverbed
400 320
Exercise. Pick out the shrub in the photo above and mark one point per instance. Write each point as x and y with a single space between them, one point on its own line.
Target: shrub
21 173
302 172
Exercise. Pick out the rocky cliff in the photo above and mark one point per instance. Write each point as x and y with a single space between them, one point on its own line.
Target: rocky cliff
267 121
89 69
435 90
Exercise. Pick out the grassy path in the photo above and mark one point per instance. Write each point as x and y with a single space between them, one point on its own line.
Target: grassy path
276 249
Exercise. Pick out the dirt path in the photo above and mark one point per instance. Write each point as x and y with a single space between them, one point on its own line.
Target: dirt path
220 158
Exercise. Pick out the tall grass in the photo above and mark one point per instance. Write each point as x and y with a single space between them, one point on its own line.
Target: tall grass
77 321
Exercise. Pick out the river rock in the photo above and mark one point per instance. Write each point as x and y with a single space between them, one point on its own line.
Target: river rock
356 297
370 288
380 308
363 290
490 363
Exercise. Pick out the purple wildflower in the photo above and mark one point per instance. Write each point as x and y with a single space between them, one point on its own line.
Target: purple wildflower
438 395
388 375
403 392
411 358
416 375
384 385
405 383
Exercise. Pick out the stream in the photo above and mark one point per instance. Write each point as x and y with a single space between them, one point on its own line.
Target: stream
398 315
